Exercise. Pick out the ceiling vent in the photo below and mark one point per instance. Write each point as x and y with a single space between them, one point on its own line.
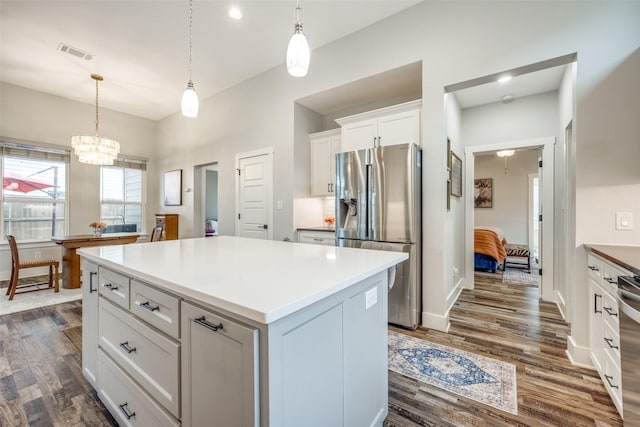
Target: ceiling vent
62 47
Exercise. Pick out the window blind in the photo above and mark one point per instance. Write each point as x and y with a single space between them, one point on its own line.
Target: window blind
34 152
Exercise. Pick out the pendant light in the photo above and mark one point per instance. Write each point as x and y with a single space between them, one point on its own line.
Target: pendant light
93 149
190 103
505 154
298 53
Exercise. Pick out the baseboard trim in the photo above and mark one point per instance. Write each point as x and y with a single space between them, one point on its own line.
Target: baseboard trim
454 294
435 321
578 355
562 307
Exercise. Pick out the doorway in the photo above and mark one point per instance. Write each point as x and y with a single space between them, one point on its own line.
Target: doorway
546 205
205 204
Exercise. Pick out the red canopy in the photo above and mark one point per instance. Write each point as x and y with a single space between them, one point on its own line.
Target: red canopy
23 184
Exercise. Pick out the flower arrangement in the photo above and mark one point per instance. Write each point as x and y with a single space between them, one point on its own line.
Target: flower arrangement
98 226
329 219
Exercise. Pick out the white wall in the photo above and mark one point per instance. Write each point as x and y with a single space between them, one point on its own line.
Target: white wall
39 117
454 244
510 210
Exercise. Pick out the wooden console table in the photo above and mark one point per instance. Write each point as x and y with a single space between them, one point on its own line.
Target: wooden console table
71 260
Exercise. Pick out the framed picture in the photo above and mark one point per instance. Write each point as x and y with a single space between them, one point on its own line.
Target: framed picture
173 188
483 193
456 175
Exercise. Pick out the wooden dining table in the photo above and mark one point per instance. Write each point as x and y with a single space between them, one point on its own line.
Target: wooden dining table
71 260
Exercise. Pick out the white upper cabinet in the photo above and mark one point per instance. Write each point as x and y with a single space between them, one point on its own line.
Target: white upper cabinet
398 124
324 146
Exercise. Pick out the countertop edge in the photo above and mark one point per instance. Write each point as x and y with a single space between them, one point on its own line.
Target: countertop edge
601 250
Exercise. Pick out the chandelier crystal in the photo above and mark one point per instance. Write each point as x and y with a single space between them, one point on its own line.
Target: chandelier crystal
190 103
93 149
298 53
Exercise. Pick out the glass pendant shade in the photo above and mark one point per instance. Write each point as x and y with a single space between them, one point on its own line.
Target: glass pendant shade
298 54
190 103
93 149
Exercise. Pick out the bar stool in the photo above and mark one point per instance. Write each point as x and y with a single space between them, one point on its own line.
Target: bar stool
16 266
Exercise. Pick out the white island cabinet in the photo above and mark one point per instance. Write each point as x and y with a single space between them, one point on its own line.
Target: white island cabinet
269 333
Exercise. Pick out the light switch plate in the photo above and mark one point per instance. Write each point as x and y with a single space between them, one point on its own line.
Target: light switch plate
624 221
371 298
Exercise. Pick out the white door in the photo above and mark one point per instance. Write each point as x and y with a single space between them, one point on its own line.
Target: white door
254 188
540 212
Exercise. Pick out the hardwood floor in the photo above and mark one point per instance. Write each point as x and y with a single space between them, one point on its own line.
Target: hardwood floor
41 382
506 322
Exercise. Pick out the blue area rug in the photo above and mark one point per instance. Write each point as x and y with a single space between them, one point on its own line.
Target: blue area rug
485 380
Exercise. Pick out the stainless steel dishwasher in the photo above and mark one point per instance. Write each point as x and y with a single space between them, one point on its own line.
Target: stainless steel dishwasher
629 309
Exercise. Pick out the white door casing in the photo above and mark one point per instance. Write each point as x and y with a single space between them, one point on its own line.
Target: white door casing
254 194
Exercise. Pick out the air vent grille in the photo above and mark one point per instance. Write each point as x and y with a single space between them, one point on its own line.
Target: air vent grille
79 53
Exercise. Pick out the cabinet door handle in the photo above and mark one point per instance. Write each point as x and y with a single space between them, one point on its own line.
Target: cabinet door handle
91 288
202 322
125 411
610 311
125 347
148 306
609 341
595 303
379 141
331 188
110 287
609 378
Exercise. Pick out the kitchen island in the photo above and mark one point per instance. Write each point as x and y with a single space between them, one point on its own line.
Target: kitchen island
234 331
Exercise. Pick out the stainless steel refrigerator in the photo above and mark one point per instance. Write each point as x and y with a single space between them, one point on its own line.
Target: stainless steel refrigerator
379 206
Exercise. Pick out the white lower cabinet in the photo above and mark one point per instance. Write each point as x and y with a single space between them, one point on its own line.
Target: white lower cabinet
220 368
90 322
126 400
604 324
316 237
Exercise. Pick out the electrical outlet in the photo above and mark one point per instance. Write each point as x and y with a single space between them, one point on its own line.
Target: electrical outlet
371 298
279 204
624 221
37 255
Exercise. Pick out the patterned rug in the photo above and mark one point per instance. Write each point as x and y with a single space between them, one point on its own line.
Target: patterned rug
515 275
485 380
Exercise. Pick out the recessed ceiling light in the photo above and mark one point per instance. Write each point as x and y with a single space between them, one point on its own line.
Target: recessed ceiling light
235 12
504 78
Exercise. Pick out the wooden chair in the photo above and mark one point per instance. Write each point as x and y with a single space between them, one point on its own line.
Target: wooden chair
16 266
156 234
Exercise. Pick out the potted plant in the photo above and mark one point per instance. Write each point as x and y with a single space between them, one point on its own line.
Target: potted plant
98 228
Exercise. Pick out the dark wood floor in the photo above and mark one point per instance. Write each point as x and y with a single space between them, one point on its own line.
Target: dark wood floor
506 322
41 382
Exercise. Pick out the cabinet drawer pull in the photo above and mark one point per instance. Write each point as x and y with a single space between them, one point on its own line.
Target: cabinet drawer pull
200 321
610 311
125 411
593 268
110 287
595 303
609 341
125 346
609 378
611 280
148 306
317 239
91 288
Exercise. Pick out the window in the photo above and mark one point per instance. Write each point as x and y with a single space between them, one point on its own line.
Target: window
121 195
34 196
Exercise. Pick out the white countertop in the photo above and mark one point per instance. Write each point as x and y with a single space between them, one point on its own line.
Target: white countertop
262 280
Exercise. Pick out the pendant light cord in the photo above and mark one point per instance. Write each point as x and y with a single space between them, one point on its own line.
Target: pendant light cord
96 107
190 36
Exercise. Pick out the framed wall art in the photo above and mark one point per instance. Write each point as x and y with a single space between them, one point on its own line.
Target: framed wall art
483 193
456 175
173 188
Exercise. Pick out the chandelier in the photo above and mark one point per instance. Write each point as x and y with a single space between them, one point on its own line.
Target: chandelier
93 149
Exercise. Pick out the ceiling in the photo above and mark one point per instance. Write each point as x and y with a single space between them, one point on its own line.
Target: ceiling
141 47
